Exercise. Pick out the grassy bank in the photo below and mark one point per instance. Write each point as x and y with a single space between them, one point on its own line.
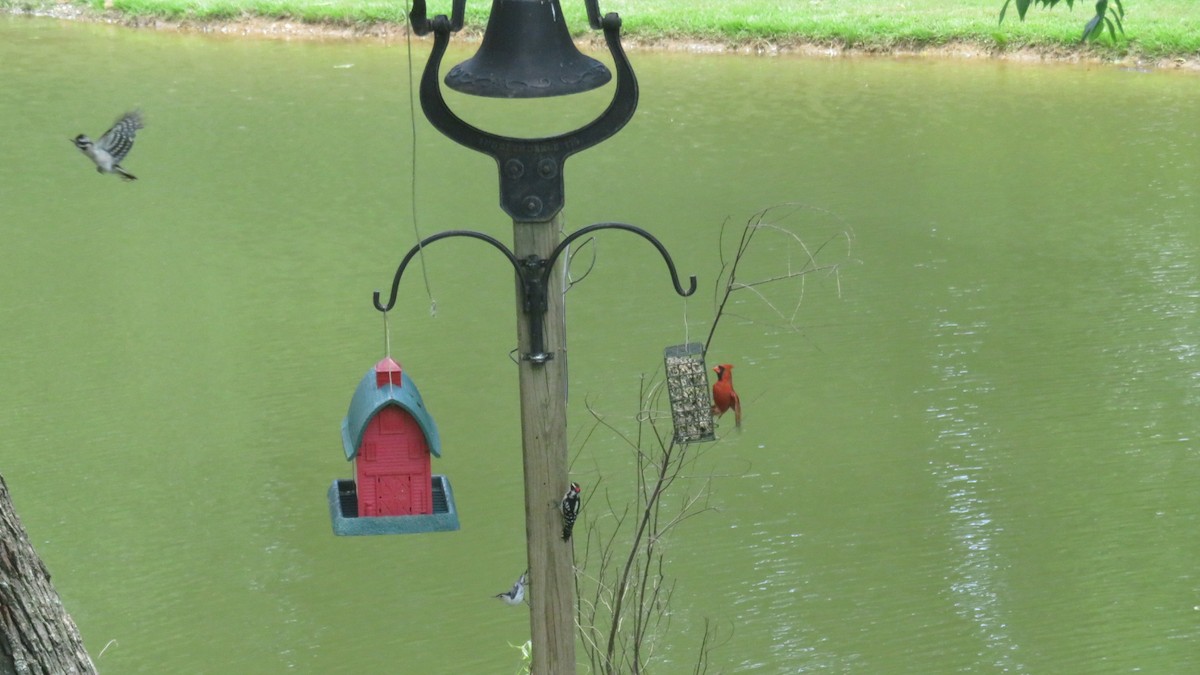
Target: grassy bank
1155 29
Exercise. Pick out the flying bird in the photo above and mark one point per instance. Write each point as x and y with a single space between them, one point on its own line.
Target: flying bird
724 397
113 146
516 594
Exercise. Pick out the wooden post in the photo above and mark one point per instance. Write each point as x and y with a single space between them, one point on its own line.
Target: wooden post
544 443
37 636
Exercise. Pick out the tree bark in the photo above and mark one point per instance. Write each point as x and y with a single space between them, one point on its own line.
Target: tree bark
37 636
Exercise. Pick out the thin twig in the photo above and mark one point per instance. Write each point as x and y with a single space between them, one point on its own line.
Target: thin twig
632 591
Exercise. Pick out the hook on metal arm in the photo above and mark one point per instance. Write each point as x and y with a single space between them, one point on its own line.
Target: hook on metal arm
429 240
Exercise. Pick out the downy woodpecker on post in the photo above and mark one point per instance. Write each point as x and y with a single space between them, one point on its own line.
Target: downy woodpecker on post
113 146
570 510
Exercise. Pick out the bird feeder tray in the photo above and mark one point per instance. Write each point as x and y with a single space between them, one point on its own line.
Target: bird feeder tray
687 387
343 511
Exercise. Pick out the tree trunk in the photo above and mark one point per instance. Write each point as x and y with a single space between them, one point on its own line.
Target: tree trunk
37 636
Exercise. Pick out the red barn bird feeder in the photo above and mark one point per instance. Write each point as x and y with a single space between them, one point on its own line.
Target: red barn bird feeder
390 437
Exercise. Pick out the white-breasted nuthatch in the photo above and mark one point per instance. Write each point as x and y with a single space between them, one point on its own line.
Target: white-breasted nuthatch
516 594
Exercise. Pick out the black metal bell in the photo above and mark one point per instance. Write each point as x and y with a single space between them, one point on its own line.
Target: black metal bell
527 52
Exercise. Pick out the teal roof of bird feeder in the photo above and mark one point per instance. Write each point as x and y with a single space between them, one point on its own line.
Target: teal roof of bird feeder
369 398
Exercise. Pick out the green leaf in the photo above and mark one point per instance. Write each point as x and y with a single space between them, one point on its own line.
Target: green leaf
1117 17
1092 29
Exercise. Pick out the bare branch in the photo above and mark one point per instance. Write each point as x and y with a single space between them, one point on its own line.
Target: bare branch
626 607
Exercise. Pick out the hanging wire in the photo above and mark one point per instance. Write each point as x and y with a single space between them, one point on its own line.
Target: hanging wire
569 279
566 286
387 337
686 326
412 116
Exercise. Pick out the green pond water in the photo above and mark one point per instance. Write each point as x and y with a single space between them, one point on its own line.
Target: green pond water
975 448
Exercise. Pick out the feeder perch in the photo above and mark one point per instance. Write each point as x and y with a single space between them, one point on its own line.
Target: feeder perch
687 387
390 437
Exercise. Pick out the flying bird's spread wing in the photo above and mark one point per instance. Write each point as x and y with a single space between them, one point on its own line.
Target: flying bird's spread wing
118 140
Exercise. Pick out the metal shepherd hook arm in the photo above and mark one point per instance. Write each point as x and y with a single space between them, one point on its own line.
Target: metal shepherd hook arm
562 246
534 275
429 240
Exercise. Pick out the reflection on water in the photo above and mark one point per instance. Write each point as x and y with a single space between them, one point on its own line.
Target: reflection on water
965 443
977 452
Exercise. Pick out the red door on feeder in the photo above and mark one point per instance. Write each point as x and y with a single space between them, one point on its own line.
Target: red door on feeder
393 467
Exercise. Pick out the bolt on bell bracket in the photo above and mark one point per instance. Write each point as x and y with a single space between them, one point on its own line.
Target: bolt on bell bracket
531 169
534 274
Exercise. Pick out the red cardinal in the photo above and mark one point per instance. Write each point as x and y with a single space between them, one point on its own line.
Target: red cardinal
724 397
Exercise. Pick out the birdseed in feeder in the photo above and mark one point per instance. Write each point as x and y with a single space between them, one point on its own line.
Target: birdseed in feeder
687 387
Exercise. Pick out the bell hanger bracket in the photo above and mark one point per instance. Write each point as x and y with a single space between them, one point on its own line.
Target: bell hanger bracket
531 169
